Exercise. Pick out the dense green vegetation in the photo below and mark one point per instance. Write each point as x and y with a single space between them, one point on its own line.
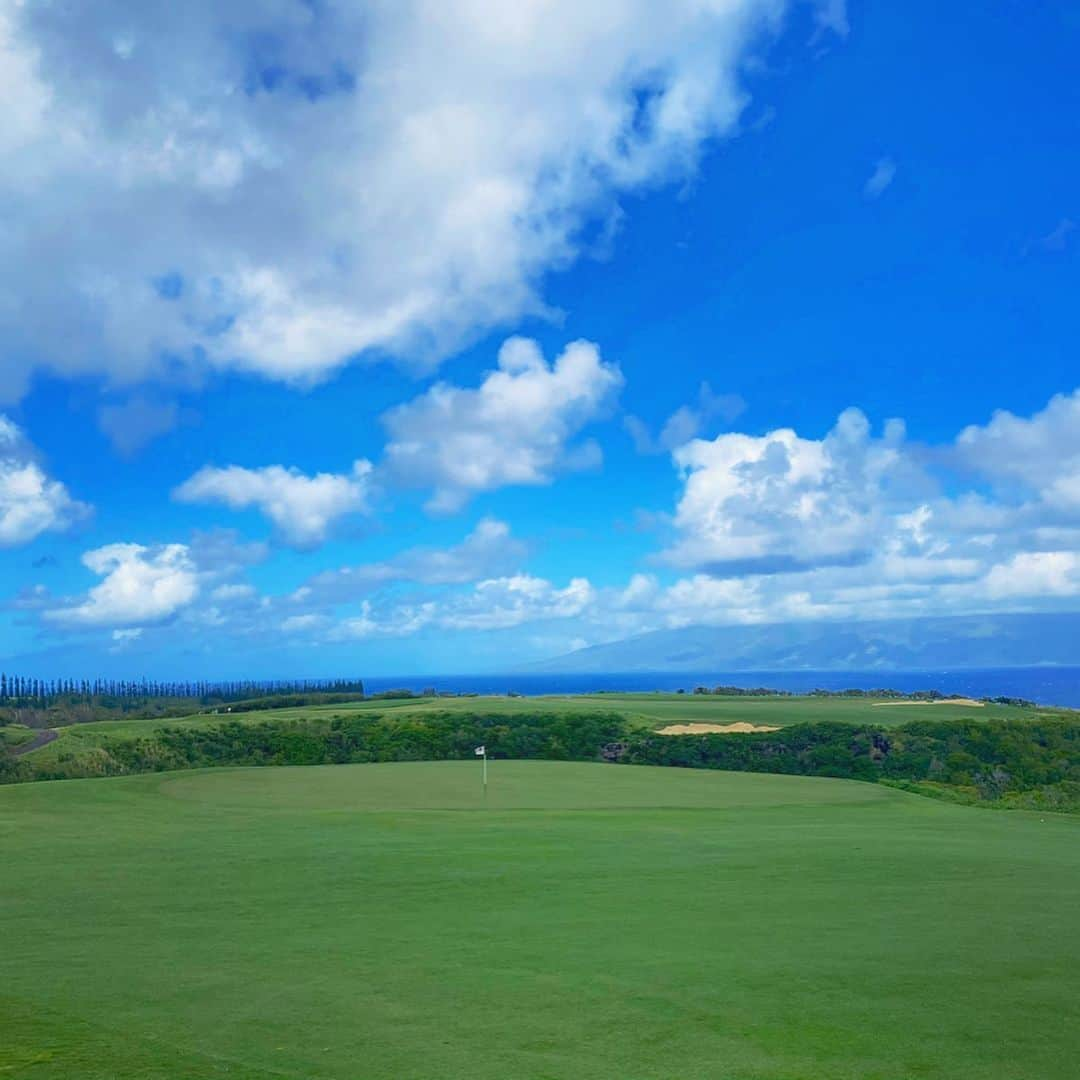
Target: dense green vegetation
1009 762
592 921
643 710
999 761
880 694
14 735
43 703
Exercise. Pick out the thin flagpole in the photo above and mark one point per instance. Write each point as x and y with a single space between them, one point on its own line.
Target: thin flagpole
485 772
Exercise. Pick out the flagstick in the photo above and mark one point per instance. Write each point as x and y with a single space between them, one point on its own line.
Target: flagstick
485 774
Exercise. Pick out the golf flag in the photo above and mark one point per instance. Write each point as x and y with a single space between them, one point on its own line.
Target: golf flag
481 752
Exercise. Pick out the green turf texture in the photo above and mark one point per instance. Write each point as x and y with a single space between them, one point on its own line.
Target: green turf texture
590 921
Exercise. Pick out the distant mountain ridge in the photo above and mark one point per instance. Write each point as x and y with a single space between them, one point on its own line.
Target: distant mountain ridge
919 644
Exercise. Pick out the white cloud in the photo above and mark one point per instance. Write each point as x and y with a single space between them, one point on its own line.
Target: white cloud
1036 573
489 550
1041 454
1024 582
494 604
780 502
780 527
513 429
883 175
701 599
140 586
302 508
30 502
279 187
500 603
773 528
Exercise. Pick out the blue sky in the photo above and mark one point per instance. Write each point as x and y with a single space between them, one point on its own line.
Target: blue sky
347 338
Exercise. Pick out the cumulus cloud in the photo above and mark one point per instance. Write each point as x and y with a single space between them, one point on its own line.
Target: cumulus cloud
1036 573
774 528
768 528
781 527
150 585
278 188
1041 453
302 508
141 586
515 428
780 502
495 604
489 550
31 503
500 603
883 175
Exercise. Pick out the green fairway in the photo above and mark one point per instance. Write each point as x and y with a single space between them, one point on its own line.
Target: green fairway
657 709
379 922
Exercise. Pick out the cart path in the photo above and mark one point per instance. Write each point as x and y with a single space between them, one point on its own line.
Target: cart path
42 738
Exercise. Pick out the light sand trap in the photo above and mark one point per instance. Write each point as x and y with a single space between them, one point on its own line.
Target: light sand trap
970 702
740 727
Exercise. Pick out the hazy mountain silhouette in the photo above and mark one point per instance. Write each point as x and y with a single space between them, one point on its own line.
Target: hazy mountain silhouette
970 641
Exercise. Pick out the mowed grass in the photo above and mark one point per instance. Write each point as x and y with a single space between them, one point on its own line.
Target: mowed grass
371 922
655 710
645 710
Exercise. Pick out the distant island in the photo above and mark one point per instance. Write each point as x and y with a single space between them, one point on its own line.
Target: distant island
918 644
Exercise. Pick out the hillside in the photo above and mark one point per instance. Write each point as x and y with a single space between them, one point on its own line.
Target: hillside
957 642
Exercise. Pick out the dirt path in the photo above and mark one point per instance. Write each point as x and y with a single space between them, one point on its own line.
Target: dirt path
42 738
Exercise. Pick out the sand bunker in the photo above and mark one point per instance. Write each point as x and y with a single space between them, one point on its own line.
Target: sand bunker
971 702
738 728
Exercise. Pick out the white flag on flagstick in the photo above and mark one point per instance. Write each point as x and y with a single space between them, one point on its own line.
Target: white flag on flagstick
481 751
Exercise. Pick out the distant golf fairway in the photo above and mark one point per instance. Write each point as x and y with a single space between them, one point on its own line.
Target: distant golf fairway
379 922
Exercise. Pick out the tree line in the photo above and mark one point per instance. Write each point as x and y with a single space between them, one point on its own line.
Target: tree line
854 692
18 691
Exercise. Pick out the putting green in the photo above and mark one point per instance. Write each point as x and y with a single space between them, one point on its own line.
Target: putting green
512 785
379 921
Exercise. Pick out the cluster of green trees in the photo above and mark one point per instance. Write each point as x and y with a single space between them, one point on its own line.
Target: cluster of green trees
881 692
987 759
1012 762
742 691
20 691
58 702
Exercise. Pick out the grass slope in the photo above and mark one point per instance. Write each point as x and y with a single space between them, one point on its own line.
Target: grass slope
378 921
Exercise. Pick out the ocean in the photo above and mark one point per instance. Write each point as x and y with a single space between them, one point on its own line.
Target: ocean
1047 686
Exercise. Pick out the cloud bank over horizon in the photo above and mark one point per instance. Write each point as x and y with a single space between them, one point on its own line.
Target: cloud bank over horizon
769 528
